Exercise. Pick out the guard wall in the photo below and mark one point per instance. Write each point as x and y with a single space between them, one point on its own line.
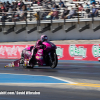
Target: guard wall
57 30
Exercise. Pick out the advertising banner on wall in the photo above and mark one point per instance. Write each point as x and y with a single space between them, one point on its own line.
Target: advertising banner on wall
88 52
11 51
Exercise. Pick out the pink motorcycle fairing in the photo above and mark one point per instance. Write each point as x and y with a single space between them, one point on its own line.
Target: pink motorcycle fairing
39 57
49 46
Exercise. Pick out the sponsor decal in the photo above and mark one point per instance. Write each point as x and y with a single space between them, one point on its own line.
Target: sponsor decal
11 51
39 57
39 52
59 52
96 50
2 50
77 52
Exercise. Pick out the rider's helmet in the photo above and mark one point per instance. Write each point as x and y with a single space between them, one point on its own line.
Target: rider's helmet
44 38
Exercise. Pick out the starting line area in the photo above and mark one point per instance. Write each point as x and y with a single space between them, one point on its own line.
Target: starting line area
23 78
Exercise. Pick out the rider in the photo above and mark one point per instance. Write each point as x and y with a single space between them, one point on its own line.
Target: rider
40 41
39 45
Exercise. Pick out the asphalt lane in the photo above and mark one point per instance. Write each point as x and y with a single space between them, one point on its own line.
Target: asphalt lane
85 77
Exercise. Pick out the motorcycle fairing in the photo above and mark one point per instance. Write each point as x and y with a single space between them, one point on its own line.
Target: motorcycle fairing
39 57
49 46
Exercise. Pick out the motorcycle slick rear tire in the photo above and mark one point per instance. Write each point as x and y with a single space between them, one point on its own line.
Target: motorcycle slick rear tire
53 63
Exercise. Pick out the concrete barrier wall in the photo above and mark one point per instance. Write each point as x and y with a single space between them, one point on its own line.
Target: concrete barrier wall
58 35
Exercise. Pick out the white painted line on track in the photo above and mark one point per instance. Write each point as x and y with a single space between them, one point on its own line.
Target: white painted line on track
62 79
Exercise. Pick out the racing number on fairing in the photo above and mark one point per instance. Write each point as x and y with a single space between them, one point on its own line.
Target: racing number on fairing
39 52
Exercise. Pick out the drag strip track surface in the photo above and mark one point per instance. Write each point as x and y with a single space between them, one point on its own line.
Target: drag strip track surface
66 82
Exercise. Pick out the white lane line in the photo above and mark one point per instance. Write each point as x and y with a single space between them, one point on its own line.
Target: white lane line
62 79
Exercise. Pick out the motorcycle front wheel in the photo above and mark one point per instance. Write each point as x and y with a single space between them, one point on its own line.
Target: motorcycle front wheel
53 60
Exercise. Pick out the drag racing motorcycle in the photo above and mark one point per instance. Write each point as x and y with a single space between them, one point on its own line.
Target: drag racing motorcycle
43 57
